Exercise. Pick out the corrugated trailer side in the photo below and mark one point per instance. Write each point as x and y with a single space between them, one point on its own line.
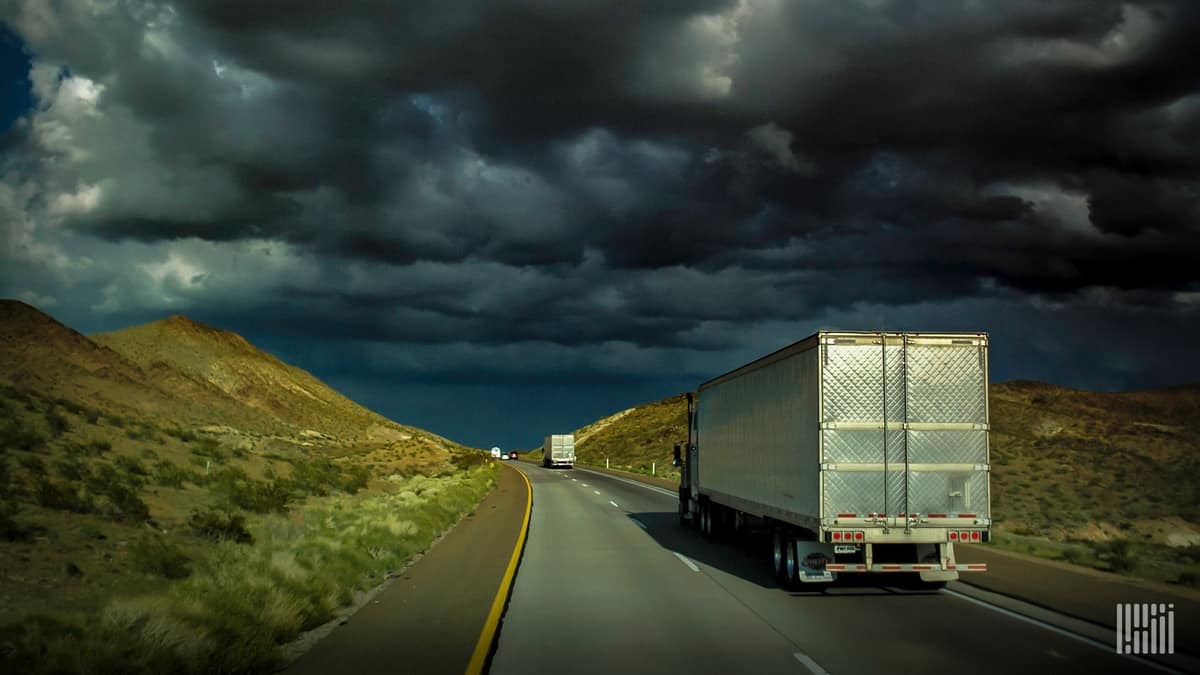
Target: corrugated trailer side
759 437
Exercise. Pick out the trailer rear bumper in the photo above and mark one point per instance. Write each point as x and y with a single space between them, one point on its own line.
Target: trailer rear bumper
915 567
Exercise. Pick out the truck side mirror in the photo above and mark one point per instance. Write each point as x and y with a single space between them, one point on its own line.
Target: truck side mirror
678 461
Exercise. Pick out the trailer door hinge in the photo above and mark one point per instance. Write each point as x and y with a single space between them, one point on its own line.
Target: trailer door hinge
983 467
829 425
829 467
981 427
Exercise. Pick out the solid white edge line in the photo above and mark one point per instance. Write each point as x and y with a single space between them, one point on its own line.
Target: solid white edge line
807 662
687 562
634 482
614 503
639 523
1065 633
595 492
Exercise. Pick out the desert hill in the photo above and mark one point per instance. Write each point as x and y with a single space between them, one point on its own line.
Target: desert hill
40 354
227 363
137 461
1074 473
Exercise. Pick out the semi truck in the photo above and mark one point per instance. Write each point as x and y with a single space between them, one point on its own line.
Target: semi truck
559 450
857 452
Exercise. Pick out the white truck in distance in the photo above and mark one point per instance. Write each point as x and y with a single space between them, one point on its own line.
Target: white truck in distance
856 451
559 450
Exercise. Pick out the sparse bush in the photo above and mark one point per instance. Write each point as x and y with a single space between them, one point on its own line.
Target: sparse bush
210 449
154 554
356 480
131 465
116 421
1188 579
61 497
166 473
1120 554
92 417
10 529
56 422
99 447
218 526
16 436
33 464
316 476
72 469
124 504
148 453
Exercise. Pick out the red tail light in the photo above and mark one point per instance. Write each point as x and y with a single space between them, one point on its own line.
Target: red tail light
837 536
975 535
858 536
953 536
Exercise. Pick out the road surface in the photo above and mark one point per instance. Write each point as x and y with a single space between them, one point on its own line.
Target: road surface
610 583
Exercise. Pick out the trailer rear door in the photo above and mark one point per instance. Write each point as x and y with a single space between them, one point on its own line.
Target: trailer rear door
924 462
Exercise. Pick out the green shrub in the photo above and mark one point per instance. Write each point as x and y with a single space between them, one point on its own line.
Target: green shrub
219 526
125 504
1188 579
16 436
131 465
316 476
73 469
154 554
166 473
356 480
210 449
56 422
258 496
1120 554
98 448
10 529
61 497
33 464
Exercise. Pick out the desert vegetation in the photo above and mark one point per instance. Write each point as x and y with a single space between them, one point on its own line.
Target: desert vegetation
129 546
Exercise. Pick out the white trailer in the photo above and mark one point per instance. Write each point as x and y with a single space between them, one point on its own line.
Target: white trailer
559 450
857 451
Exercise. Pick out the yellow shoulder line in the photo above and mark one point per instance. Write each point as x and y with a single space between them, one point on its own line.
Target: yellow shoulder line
479 656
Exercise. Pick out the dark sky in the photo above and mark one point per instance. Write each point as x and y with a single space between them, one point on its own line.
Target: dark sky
498 220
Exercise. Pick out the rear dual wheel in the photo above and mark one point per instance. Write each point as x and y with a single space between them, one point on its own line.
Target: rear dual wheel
785 558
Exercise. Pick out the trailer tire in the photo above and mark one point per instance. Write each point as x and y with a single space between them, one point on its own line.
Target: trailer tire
683 509
791 563
778 554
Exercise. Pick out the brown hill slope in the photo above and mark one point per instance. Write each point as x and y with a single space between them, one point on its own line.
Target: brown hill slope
40 354
1074 473
228 363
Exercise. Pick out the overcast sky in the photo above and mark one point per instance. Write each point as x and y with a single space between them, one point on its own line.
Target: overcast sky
499 220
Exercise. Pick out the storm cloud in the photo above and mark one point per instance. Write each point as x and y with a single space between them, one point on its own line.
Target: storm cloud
537 190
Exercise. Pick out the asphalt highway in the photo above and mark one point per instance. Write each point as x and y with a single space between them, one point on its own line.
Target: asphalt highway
610 583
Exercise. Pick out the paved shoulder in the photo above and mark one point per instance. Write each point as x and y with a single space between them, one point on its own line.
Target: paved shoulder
430 620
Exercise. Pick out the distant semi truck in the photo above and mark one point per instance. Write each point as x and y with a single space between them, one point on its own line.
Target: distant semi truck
857 452
559 450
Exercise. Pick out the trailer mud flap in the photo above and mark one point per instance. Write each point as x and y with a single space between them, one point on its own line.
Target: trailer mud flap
814 558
